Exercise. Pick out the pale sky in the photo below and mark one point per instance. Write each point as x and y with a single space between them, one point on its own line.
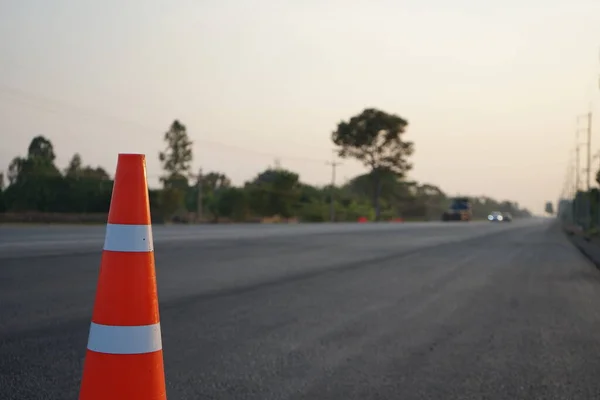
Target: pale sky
491 92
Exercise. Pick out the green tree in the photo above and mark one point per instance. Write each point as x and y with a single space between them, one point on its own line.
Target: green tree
39 161
214 181
41 148
176 161
232 203
75 167
34 181
397 197
37 184
77 170
274 192
95 173
431 199
375 138
2 189
549 208
213 185
15 169
170 201
41 157
177 157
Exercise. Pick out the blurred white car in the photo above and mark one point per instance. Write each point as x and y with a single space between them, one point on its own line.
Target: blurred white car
497 216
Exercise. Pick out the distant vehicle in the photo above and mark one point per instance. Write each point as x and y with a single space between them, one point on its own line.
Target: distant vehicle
497 216
460 210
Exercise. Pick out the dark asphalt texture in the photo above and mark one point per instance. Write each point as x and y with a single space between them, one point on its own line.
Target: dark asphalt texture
455 311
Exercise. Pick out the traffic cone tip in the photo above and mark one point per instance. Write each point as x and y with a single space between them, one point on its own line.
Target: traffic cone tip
129 204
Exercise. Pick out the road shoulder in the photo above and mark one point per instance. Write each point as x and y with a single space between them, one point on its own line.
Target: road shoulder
589 247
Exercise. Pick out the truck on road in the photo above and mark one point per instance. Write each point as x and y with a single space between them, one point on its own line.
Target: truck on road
459 210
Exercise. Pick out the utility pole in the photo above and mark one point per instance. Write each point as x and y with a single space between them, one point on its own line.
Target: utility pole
588 169
577 166
589 149
199 212
588 145
333 164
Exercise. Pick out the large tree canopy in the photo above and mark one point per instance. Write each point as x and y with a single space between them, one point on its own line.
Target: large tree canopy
275 192
374 138
35 183
39 161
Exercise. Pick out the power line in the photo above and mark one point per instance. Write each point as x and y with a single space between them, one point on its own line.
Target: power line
587 144
578 144
54 106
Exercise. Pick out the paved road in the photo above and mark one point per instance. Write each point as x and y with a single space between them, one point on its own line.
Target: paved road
20 241
423 311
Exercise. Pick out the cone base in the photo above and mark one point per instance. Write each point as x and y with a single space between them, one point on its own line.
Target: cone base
123 376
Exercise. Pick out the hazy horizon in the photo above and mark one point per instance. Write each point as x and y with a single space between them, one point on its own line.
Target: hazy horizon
491 93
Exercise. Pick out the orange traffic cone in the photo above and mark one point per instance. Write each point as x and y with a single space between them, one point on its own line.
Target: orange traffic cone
124 358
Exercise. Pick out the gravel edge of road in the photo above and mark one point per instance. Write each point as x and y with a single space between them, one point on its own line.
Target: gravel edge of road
588 249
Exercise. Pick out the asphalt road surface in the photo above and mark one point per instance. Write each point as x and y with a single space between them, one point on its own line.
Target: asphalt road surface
392 311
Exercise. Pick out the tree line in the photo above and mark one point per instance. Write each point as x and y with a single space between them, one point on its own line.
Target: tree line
581 209
36 185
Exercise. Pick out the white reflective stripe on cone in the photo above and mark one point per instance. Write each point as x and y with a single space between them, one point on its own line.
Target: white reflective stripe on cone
124 339
129 238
